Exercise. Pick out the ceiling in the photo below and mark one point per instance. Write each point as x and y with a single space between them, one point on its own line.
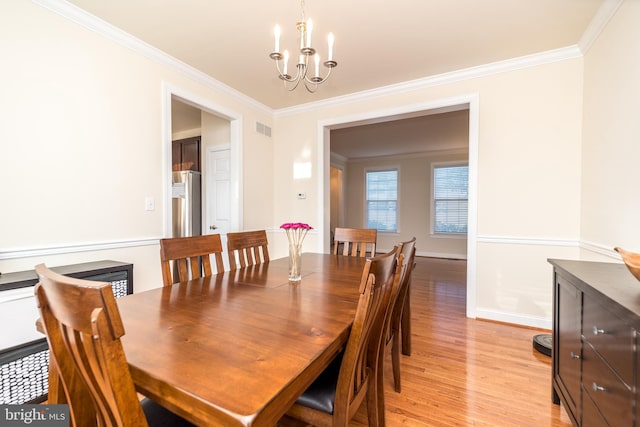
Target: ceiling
377 43
436 131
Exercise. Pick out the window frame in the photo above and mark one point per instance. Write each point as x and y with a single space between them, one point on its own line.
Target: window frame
397 200
432 222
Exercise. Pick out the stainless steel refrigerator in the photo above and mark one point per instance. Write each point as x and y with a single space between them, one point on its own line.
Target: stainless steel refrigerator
186 201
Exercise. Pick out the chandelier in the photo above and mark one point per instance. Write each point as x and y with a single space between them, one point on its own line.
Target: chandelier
302 74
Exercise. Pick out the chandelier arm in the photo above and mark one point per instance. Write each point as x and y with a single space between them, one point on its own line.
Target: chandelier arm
317 80
306 86
287 77
300 76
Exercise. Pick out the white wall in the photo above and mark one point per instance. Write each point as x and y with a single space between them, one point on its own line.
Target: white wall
414 202
82 143
610 206
82 146
529 131
441 138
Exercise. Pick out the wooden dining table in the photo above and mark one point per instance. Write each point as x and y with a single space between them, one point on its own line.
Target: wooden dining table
238 348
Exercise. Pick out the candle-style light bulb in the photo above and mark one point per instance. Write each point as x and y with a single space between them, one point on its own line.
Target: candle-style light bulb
309 28
330 47
286 60
276 32
317 58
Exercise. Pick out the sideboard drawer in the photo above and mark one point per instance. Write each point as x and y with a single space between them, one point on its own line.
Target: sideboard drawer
591 417
610 395
610 336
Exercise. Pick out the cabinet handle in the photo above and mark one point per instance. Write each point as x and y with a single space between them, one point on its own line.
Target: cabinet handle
597 387
574 356
597 331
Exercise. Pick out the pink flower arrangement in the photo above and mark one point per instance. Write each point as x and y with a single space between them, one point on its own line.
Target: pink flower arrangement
296 232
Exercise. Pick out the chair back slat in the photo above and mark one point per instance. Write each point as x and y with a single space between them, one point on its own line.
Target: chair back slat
191 257
247 248
355 241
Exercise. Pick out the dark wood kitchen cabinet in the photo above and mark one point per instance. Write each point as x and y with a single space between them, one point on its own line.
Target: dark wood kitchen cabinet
596 364
185 154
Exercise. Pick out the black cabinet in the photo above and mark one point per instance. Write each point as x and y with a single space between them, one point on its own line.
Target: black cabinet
24 367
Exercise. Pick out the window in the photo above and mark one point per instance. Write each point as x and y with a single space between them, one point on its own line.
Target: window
450 199
382 200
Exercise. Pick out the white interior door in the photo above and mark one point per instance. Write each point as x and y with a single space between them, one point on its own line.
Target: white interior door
218 178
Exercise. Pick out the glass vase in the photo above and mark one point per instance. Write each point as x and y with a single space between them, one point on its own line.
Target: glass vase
295 263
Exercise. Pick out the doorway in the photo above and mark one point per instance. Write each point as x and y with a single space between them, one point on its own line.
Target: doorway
337 199
469 102
220 128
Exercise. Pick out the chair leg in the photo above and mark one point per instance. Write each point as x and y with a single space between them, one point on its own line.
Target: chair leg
375 393
395 360
406 323
375 403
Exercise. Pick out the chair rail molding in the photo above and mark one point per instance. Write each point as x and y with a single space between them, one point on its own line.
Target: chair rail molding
76 247
526 240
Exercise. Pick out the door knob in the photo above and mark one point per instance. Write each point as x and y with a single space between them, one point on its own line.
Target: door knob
212 227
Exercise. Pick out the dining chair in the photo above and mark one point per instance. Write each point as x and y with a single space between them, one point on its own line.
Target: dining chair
354 241
335 396
397 304
83 327
246 248
191 257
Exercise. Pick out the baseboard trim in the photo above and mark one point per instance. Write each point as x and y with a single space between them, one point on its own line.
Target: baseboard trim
516 319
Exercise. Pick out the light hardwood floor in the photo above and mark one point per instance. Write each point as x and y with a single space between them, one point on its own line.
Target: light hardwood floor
465 372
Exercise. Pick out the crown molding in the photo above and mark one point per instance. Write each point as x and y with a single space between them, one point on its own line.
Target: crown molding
508 65
599 21
97 25
91 22
339 159
418 154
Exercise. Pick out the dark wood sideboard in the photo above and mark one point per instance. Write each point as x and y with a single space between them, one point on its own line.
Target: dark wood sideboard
596 363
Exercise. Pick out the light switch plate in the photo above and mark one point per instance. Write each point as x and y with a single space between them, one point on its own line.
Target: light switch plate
149 203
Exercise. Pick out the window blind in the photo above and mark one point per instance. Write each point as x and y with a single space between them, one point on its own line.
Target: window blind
382 200
450 198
